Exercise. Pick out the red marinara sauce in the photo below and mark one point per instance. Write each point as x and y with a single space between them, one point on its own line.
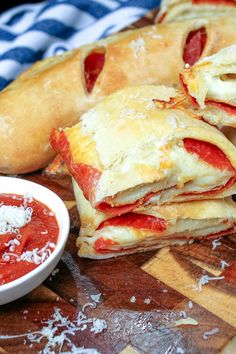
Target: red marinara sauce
25 248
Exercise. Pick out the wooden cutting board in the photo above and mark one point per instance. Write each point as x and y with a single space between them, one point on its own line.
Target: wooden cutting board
150 301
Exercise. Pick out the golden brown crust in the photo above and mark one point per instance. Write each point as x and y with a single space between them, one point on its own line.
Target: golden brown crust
52 92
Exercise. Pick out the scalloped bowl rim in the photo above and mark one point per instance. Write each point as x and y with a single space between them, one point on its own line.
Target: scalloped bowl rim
20 186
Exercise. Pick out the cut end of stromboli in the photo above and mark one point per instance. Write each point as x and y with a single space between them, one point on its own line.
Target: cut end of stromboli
127 152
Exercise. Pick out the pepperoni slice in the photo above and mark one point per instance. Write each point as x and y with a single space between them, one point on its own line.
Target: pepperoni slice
93 65
194 46
215 2
209 153
101 245
86 176
117 210
224 106
105 207
137 221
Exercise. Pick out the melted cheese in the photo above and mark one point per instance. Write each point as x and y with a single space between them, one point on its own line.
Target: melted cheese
187 228
192 175
206 79
219 89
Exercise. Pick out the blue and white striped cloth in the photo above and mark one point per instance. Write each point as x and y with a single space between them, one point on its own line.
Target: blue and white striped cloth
34 31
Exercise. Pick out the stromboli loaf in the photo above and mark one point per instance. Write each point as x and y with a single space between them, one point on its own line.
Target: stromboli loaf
102 236
53 92
128 151
211 83
182 10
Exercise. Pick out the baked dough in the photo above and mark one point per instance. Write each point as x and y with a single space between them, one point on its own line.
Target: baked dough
150 228
211 83
129 151
182 10
52 93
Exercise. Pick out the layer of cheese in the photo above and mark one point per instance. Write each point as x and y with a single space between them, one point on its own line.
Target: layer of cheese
188 228
188 174
208 78
218 117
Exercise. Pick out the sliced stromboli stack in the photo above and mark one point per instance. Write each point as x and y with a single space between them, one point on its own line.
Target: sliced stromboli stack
128 158
211 84
153 227
182 10
56 91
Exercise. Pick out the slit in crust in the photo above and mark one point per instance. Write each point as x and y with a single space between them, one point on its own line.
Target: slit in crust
194 46
93 65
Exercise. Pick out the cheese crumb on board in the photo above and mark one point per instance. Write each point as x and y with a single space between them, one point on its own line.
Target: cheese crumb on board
55 271
58 329
133 299
190 305
223 264
147 301
205 280
216 243
96 297
210 333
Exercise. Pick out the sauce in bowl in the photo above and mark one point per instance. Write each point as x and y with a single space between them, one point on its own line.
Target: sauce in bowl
28 235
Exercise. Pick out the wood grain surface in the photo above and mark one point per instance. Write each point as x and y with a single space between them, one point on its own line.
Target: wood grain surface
143 296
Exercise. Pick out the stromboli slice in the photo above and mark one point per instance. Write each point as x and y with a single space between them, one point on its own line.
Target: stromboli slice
211 83
103 236
56 91
182 10
126 152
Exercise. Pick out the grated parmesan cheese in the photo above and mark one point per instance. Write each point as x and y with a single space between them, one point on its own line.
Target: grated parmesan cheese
133 299
190 305
210 333
13 217
216 243
138 47
36 256
11 244
223 264
55 271
96 297
98 325
147 301
204 280
57 331
28 198
179 350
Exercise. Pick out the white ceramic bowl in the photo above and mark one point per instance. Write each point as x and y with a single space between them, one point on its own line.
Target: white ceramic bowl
23 285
